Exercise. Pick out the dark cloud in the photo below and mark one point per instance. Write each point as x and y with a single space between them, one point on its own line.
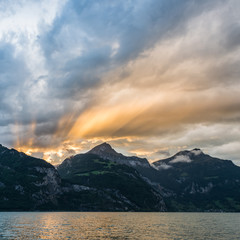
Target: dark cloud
79 47
13 73
71 64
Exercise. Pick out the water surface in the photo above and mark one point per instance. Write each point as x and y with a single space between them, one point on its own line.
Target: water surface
78 225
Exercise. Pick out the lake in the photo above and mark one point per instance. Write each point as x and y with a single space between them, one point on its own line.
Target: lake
85 225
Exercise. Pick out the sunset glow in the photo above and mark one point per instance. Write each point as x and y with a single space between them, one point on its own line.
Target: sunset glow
149 78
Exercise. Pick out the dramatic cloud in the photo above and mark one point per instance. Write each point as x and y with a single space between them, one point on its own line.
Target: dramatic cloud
151 77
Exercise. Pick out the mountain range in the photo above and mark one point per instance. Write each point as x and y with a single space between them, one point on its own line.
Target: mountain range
105 180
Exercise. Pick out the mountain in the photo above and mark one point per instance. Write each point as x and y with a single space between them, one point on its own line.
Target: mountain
85 182
104 180
187 181
105 151
118 187
195 181
27 183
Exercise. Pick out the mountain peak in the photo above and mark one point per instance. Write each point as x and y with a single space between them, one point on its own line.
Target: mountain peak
105 151
195 151
103 148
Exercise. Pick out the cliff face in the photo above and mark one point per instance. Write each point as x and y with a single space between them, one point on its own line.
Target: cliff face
26 182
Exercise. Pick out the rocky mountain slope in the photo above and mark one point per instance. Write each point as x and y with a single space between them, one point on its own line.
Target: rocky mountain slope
27 182
118 186
194 181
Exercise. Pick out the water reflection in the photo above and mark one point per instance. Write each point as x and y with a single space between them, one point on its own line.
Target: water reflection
76 225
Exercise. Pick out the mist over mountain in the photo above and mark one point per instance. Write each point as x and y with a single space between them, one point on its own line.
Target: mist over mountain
195 180
105 180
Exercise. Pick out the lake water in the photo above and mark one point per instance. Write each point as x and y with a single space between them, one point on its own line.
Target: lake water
78 225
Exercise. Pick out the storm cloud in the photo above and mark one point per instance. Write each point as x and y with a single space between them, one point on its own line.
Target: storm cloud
144 75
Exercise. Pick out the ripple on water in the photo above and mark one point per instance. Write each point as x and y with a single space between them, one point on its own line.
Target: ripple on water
77 225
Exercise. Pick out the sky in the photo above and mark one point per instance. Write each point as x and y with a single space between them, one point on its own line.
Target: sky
150 77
